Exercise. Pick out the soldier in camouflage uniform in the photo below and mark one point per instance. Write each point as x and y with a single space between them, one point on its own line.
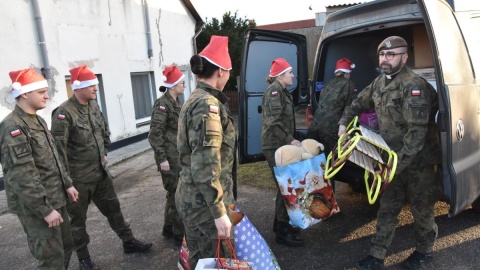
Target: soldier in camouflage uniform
163 139
206 143
406 105
337 94
82 138
278 128
36 183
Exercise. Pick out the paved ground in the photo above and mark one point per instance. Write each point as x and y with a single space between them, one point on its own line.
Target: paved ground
333 244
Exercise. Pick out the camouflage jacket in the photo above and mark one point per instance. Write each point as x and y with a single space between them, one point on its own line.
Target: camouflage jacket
334 97
35 179
406 110
82 137
278 117
163 129
206 143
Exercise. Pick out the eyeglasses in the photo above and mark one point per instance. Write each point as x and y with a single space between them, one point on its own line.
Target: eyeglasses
389 55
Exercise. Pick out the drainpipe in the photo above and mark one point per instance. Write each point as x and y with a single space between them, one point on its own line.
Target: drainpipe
194 39
47 72
149 34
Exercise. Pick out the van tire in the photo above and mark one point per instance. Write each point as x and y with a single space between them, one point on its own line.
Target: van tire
476 205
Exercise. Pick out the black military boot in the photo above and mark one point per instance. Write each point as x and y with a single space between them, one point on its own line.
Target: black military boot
285 236
275 225
87 264
417 259
369 263
167 231
292 229
136 246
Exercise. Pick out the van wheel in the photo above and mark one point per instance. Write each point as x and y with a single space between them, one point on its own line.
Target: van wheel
476 205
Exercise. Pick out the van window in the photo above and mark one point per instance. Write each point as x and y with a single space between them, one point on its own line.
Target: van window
260 57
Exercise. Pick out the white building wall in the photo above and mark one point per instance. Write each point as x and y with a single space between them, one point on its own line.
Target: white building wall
108 36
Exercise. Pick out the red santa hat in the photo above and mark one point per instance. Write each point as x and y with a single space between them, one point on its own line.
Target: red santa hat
344 65
216 52
82 77
171 76
279 66
26 80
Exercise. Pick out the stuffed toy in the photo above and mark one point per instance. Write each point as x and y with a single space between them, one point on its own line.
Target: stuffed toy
289 154
312 146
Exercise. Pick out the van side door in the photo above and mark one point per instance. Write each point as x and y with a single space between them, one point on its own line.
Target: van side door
459 115
260 48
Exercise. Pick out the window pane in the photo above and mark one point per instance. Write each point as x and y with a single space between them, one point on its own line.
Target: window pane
142 98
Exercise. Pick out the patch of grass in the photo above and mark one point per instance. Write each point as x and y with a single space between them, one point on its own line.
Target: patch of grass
256 174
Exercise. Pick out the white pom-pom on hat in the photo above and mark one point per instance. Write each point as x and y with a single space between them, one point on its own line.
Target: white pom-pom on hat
352 66
77 82
164 79
16 86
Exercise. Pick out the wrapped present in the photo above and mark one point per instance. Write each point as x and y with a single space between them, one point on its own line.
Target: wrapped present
308 195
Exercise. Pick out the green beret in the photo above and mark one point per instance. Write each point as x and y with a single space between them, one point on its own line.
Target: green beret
391 43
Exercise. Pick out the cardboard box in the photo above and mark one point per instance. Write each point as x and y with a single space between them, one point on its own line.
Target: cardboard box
427 73
422 51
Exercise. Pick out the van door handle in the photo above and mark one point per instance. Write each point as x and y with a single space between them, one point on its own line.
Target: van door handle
259 109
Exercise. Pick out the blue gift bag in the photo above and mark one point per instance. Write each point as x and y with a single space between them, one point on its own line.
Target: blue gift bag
308 196
250 246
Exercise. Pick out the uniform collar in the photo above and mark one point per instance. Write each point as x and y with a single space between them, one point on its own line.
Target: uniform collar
168 96
396 80
277 83
27 120
214 92
82 108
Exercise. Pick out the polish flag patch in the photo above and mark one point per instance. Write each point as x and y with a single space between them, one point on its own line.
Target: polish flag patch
416 93
162 108
274 93
61 117
213 109
15 133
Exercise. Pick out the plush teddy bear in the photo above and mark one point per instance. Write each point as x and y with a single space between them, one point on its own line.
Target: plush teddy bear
312 146
289 154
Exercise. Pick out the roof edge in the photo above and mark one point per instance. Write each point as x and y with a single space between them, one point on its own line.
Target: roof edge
193 11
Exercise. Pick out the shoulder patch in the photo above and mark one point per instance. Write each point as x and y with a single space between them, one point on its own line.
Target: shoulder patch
61 116
15 132
416 93
213 127
162 108
213 109
274 93
22 149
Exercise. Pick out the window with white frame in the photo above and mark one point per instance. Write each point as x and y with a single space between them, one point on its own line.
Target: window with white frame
144 95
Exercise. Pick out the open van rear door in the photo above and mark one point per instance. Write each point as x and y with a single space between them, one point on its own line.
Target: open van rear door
459 116
260 48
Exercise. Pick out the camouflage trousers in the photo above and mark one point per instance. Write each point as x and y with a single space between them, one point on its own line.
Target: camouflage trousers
202 242
420 187
171 216
52 247
281 213
104 197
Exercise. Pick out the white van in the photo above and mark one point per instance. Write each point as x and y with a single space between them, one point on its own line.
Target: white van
444 47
